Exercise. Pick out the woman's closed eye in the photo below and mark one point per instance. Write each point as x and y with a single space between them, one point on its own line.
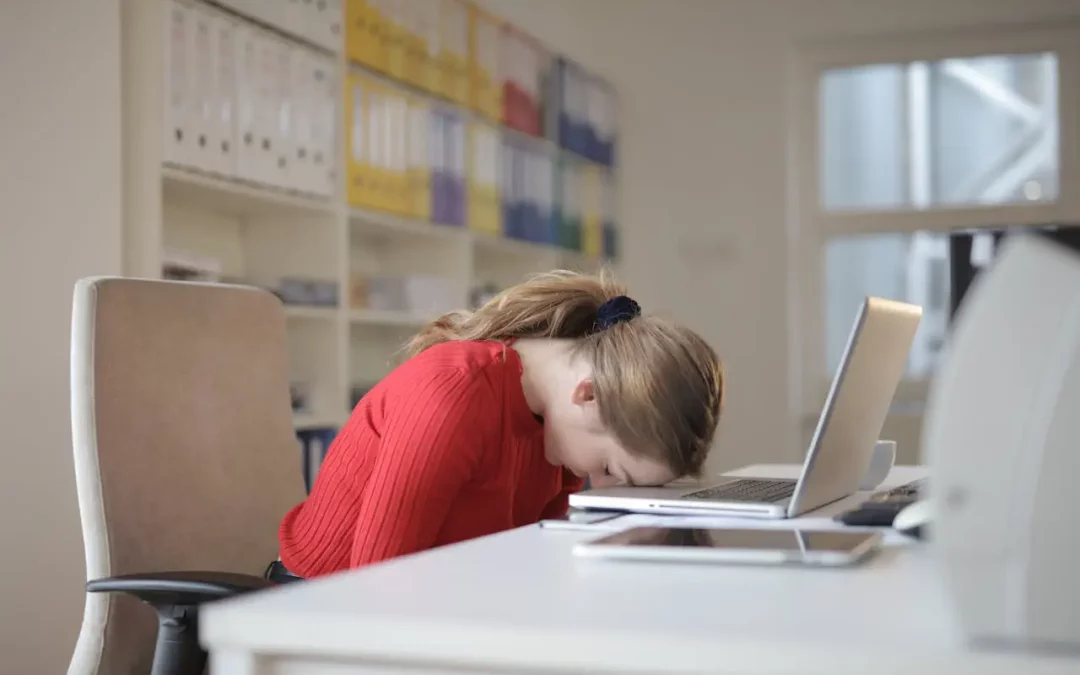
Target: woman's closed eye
620 480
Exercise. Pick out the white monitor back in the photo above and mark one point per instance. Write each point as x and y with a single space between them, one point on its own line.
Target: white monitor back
1002 438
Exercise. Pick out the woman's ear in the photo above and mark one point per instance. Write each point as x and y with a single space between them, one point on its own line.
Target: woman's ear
583 392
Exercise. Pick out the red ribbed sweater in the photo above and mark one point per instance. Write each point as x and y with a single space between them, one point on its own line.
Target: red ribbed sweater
442 450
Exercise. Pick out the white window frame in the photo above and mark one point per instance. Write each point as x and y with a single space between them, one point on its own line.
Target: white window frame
810 227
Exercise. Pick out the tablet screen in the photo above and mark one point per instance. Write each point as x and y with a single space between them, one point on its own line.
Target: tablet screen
738 538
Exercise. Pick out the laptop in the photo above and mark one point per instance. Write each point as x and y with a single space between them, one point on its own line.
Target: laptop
843 443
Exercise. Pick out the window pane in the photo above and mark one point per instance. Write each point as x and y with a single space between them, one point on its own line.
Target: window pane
907 267
929 134
864 138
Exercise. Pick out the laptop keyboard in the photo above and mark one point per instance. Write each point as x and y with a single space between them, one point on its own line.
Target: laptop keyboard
746 490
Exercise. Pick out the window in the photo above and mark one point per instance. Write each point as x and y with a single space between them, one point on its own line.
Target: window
930 269
955 132
906 267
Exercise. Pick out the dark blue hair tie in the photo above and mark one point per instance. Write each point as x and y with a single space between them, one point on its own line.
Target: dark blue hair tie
615 311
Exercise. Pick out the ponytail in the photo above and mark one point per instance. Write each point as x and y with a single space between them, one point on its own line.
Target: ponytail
558 304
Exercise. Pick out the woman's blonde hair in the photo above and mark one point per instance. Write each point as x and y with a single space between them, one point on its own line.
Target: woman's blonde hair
659 386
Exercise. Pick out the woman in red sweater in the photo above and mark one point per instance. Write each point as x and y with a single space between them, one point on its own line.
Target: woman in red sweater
498 415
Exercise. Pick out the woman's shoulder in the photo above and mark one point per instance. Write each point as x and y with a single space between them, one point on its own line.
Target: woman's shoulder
468 357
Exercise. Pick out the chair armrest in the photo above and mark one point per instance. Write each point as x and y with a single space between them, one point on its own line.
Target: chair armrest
183 588
176 597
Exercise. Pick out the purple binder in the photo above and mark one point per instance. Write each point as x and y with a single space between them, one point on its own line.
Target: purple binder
455 174
438 157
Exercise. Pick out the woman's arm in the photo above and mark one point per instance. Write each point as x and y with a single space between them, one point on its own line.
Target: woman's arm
433 440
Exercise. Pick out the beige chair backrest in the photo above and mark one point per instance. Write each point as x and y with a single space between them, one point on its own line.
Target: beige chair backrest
185 453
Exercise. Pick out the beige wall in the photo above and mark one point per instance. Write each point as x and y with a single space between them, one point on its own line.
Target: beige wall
59 219
703 175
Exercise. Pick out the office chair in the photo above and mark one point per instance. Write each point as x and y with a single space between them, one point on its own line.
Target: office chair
185 461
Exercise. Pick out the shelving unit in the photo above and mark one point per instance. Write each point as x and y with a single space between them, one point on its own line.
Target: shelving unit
246 111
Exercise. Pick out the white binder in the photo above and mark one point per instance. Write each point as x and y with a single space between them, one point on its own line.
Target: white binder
325 24
303 108
506 182
487 151
399 142
357 166
458 168
243 7
437 152
325 131
574 105
314 121
248 85
376 136
294 17
270 12
545 197
419 132
202 74
222 129
274 112
571 197
531 192
178 83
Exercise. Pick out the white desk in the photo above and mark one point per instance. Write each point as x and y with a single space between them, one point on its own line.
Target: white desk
520 602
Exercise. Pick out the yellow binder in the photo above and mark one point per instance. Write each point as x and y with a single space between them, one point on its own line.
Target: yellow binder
485 82
592 218
418 172
359 188
397 127
359 47
454 51
394 36
484 208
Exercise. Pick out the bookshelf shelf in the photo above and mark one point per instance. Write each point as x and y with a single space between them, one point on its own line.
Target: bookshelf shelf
237 198
306 313
306 420
232 178
385 318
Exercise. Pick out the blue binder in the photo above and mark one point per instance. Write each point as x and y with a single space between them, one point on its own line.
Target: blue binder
314 443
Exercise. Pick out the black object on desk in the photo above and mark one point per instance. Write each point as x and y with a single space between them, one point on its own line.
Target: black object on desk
881 509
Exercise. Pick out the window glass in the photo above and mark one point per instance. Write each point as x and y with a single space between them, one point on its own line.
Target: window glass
977 131
906 267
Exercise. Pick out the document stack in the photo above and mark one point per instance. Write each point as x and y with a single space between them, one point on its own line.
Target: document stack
243 102
327 144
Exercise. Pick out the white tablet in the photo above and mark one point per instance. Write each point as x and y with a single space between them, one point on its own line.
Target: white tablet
735 545
581 520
